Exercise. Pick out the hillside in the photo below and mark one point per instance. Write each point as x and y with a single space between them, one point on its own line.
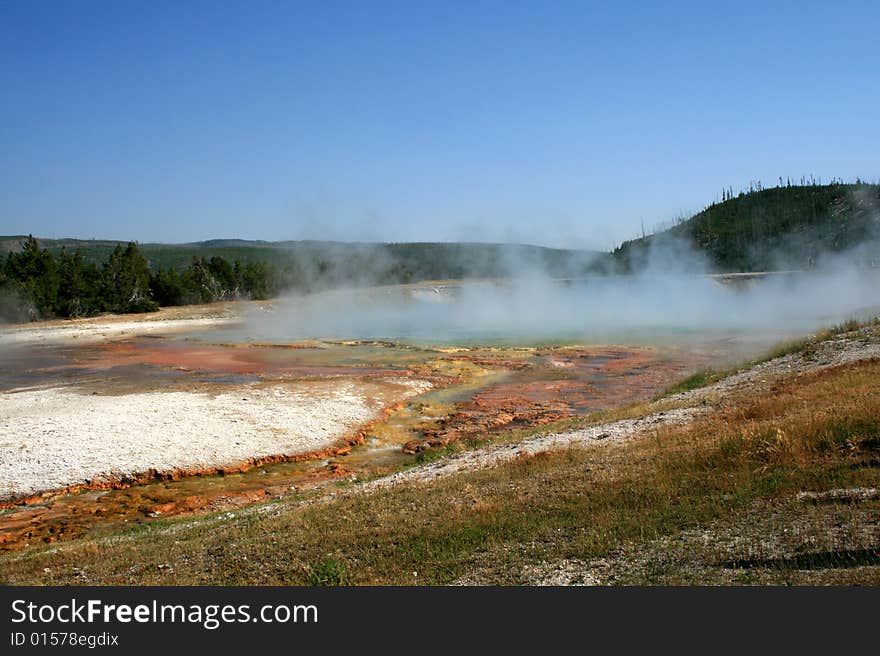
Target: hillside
786 227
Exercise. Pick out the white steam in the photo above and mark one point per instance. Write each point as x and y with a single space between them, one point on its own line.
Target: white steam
669 300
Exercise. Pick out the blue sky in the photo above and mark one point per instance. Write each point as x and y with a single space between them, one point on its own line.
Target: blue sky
554 123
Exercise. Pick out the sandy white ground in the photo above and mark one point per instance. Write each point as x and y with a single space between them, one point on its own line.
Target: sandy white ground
54 438
97 330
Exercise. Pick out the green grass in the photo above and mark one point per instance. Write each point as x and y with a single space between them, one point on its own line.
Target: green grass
695 381
327 572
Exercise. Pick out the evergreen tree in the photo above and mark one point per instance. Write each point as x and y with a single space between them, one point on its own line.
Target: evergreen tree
200 283
36 274
127 281
13 304
224 278
259 280
167 287
79 285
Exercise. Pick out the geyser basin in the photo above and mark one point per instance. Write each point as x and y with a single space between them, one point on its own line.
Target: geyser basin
108 415
494 353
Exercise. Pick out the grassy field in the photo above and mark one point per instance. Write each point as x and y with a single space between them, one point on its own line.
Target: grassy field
732 475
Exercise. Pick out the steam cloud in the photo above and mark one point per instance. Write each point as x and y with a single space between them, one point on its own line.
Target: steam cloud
670 299
673 297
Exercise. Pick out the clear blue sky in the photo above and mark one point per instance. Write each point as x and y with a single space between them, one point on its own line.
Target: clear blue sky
545 122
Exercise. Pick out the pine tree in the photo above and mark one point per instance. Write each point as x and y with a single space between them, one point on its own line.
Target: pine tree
36 272
79 285
127 281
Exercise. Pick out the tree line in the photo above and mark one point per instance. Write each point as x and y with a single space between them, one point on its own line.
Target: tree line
34 284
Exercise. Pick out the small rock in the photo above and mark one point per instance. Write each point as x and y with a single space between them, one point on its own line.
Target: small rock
840 494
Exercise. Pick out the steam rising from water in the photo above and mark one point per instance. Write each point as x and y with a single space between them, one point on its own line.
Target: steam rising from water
651 307
671 298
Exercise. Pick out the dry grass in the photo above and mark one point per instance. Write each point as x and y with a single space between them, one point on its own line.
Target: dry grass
814 432
805 345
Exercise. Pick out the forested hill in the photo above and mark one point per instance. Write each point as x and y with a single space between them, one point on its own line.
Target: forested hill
780 228
316 264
